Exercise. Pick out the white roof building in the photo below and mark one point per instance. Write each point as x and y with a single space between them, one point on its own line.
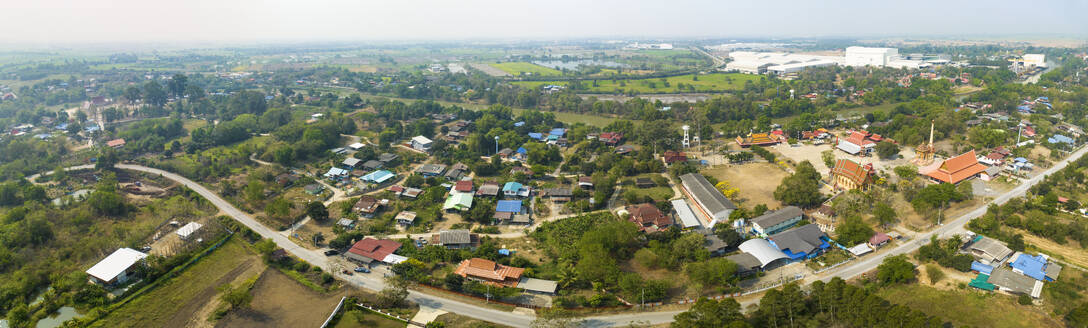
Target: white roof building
188 230
866 56
763 251
115 268
860 249
356 146
684 213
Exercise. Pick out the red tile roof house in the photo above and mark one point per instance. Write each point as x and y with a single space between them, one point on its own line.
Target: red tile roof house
116 143
675 156
463 186
489 272
370 250
648 217
611 138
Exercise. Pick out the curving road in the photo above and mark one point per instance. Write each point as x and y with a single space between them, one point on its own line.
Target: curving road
373 282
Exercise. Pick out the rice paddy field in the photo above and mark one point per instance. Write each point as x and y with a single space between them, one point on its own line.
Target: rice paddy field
523 68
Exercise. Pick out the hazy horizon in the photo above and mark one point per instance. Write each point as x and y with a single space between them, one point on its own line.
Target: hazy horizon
59 22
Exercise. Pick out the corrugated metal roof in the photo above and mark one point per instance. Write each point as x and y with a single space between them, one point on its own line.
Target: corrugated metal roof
683 211
706 195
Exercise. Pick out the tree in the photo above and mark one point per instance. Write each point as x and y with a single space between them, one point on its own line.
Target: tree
453 282
133 95
1024 299
934 273
1078 316
235 297
802 188
154 94
394 294
728 236
853 231
726 189
886 149
884 214
906 172
711 313
177 85
1016 243
895 269
714 272
317 211
828 156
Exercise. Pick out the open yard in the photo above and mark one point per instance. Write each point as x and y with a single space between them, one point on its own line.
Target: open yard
1069 252
279 301
969 307
714 82
518 68
361 318
755 181
190 298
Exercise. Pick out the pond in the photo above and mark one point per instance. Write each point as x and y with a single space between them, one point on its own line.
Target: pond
63 314
574 64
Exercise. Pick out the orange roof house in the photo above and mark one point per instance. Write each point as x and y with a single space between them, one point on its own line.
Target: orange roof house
759 139
489 272
116 143
849 174
958 168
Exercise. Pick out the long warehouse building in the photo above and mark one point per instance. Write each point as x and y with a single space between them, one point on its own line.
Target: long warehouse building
712 206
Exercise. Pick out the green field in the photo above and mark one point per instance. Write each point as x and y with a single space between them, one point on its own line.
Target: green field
182 296
969 307
565 117
517 68
714 82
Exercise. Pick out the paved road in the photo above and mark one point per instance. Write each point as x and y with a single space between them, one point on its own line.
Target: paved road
314 257
375 283
718 61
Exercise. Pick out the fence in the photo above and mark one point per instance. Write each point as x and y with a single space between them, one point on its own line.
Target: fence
528 306
389 315
334 312
833 266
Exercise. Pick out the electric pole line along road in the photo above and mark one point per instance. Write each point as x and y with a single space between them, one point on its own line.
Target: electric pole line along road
315 257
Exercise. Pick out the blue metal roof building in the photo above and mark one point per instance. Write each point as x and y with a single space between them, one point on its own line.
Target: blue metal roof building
981 268
1035 267
536 135
378 176
509 206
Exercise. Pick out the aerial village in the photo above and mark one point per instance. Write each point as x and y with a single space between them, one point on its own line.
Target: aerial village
541 208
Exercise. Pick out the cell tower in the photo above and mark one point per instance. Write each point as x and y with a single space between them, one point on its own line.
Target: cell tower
687 141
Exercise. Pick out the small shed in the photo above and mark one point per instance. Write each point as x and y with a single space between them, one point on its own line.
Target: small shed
188 230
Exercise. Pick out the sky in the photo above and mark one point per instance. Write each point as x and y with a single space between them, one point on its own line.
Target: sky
230 21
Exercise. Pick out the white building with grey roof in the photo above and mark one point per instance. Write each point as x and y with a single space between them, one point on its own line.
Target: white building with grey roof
773 222
709 203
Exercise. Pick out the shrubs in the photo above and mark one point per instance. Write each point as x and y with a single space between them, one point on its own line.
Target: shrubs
894 270
934 273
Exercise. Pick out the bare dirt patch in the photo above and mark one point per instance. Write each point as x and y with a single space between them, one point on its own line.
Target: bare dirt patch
279 301
755 181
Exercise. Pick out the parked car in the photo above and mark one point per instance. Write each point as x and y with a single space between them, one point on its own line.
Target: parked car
332 252
347 272
362 269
